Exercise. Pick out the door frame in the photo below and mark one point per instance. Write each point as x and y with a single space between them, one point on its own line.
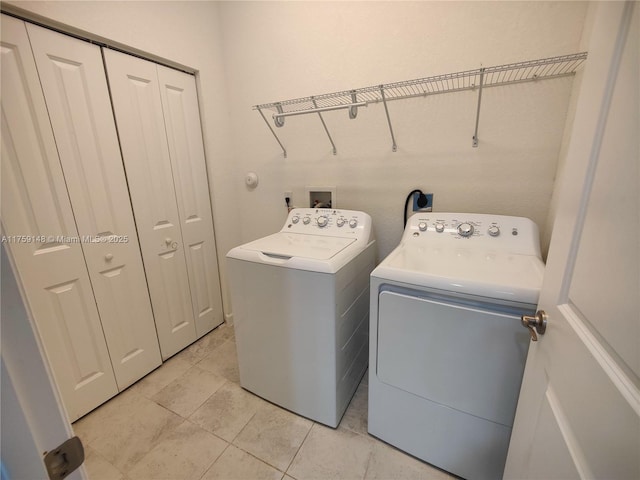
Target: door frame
30 380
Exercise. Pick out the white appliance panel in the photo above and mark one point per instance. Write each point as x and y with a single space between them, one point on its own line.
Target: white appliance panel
301 311
283 323
447 349
289 245
443 351
487 273
463 444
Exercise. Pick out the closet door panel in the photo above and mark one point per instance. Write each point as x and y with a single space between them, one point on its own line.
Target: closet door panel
184 135
138 110
74 83
38 225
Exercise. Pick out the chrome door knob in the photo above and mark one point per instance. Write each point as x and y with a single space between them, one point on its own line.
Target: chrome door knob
535 323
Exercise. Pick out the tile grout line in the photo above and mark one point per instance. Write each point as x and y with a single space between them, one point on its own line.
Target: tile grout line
216 459
99 454
284 472
300 447
258 458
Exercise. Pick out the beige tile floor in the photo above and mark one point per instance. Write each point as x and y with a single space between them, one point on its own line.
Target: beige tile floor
189 419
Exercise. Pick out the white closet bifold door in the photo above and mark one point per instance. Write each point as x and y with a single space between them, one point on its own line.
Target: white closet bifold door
138 110
184 134
39 226
75 87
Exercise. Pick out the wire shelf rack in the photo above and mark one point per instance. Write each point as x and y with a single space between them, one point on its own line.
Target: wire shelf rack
484 77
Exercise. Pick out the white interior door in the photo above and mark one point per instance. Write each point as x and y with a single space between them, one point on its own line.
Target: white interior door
40 230
578 414
32 416
138 109
75 87
184 135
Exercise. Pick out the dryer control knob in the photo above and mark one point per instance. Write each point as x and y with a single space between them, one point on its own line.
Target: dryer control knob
465 229
295 219
353 223
306 220
439 227
322 221
340 222
494 230
422 226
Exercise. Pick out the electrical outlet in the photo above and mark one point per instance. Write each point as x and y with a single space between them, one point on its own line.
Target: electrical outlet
427 208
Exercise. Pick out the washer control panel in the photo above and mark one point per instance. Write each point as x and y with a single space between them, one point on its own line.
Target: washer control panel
473 230
328 221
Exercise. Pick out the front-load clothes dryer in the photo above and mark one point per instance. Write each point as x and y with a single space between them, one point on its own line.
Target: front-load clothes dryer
301 311
447 348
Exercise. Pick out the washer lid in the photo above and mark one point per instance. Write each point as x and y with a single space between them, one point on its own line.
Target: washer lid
287 245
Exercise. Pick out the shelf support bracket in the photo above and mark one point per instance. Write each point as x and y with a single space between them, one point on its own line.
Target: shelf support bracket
279 121
386 110
353 111
475 135
315 105
284 151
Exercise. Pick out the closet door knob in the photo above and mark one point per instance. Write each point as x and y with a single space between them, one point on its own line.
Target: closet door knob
168 241
108 257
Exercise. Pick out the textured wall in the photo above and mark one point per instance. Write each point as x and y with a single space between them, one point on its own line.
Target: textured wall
274 51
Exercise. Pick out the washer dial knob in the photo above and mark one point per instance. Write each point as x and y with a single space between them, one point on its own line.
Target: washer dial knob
465 229
422 226
494 230
295 219
439 227
322 221
340 222
306 220
353 223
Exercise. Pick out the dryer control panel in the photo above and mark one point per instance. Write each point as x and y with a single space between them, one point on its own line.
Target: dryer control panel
329 222
474 231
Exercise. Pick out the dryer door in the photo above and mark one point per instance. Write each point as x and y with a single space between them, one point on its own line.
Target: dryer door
469 356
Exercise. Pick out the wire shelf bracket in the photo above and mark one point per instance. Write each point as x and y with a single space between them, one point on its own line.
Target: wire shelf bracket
480 79
475 133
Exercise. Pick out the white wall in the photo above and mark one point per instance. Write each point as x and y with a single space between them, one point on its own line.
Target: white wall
247 53
547 228
279 50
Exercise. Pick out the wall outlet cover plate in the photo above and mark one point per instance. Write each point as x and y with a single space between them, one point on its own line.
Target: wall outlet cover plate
427 208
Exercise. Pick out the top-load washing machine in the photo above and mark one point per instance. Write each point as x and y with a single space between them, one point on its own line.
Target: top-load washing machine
301 311
447 348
